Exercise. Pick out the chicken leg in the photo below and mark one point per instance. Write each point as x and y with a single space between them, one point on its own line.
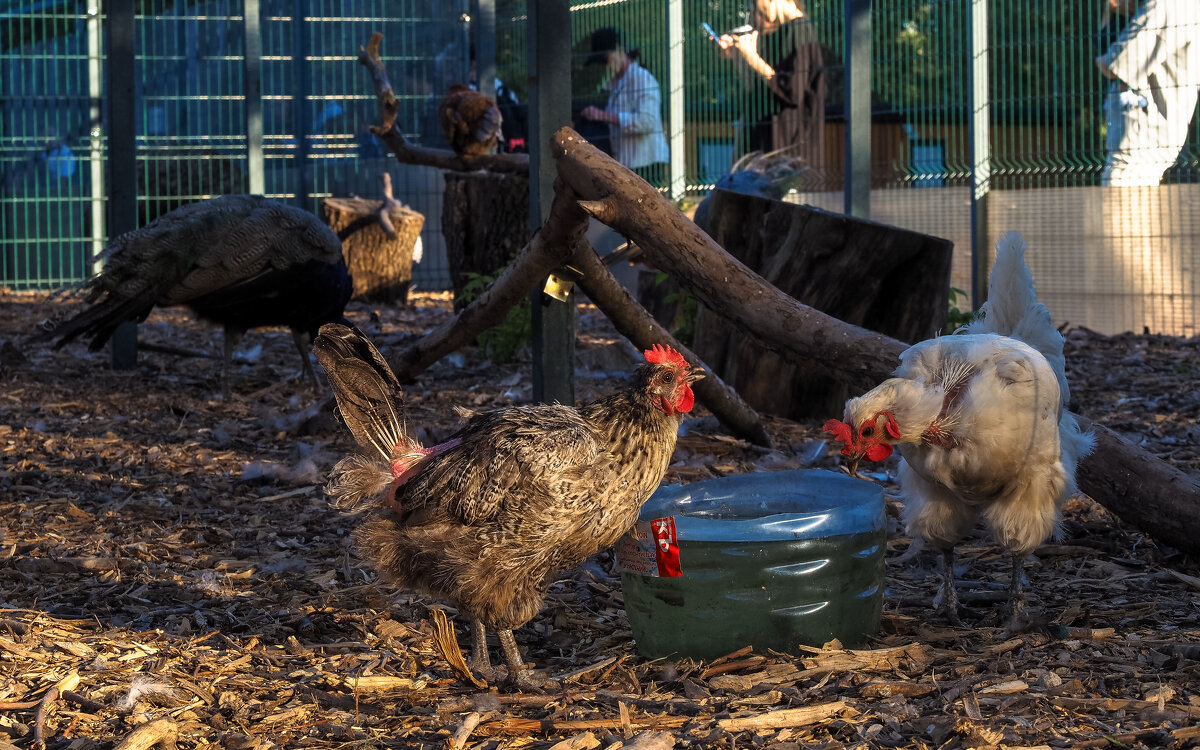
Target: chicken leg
1016 593
301 340
949 605
480 663
518 674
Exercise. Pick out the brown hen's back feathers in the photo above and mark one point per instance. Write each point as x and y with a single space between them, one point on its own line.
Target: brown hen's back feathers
486 518
470 121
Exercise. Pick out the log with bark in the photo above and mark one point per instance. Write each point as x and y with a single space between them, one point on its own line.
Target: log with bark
891 280
378 240
485 221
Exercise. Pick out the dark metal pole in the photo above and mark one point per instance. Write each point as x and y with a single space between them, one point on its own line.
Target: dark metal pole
122 215
300 114
252 91
857 55
981 154
548 51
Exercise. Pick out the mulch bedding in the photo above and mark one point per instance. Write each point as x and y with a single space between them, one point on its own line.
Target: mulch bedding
169 568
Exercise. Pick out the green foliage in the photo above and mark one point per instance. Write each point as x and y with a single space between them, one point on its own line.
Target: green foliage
957 318
501 342
683 327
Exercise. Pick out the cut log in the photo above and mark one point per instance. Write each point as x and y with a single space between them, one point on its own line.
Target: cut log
380 263
485 220
880 277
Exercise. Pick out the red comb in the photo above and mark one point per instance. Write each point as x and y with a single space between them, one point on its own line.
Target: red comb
660 355
840 431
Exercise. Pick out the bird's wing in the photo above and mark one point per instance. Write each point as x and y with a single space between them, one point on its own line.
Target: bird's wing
239 251
517 460
488 125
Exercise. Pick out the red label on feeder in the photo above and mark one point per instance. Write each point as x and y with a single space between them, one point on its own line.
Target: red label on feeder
666 547
650 548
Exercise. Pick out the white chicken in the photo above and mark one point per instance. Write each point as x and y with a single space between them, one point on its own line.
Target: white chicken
980 423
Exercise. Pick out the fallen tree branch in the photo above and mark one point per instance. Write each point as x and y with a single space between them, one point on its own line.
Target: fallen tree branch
1141 489
548 249
639 326
615 196
70 682
150 734
388 130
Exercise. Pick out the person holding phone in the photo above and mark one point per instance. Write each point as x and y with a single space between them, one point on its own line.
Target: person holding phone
795 77
634 111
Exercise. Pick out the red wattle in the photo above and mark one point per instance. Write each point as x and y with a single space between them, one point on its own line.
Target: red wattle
879 452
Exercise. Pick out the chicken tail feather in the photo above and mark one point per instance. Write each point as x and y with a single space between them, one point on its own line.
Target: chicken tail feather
355 481
1013 309
367 391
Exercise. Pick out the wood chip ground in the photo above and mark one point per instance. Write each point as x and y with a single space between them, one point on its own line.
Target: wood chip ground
171 573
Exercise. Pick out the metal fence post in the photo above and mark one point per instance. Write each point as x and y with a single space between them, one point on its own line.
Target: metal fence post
981 155
858 108
675 111
122 152
300 115
252 92
548 55
95 36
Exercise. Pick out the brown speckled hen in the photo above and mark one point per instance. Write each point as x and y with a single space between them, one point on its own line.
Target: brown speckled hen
470 121
488 517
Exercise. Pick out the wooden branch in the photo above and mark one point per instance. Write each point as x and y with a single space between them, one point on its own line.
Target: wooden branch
640 327
150 734
70 682
617 197
384 93
1143 490
788 717
549 249
388 130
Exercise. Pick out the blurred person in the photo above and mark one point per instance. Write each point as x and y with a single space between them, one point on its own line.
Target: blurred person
795 77
634 110
1154 68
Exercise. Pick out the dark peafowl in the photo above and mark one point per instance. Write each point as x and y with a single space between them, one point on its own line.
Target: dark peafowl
242 261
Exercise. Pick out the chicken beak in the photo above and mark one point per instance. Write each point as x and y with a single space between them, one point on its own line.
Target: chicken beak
694 374
852 465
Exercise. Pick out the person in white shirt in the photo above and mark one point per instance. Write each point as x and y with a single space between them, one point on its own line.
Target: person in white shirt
634 111
1154 66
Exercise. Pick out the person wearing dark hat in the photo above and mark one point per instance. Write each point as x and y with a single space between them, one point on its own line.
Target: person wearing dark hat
634 111
796 79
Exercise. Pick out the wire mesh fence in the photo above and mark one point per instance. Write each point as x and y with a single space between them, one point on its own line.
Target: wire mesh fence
1110 257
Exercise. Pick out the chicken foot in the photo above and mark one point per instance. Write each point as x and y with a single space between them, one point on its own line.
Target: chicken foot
949 605
1016 593
481 664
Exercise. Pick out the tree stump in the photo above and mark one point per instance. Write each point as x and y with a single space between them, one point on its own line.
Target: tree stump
485 221
380 265
889 280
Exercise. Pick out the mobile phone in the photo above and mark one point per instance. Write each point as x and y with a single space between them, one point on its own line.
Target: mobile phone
712 34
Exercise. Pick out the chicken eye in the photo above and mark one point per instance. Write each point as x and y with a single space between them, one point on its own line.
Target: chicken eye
868 430
668 376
